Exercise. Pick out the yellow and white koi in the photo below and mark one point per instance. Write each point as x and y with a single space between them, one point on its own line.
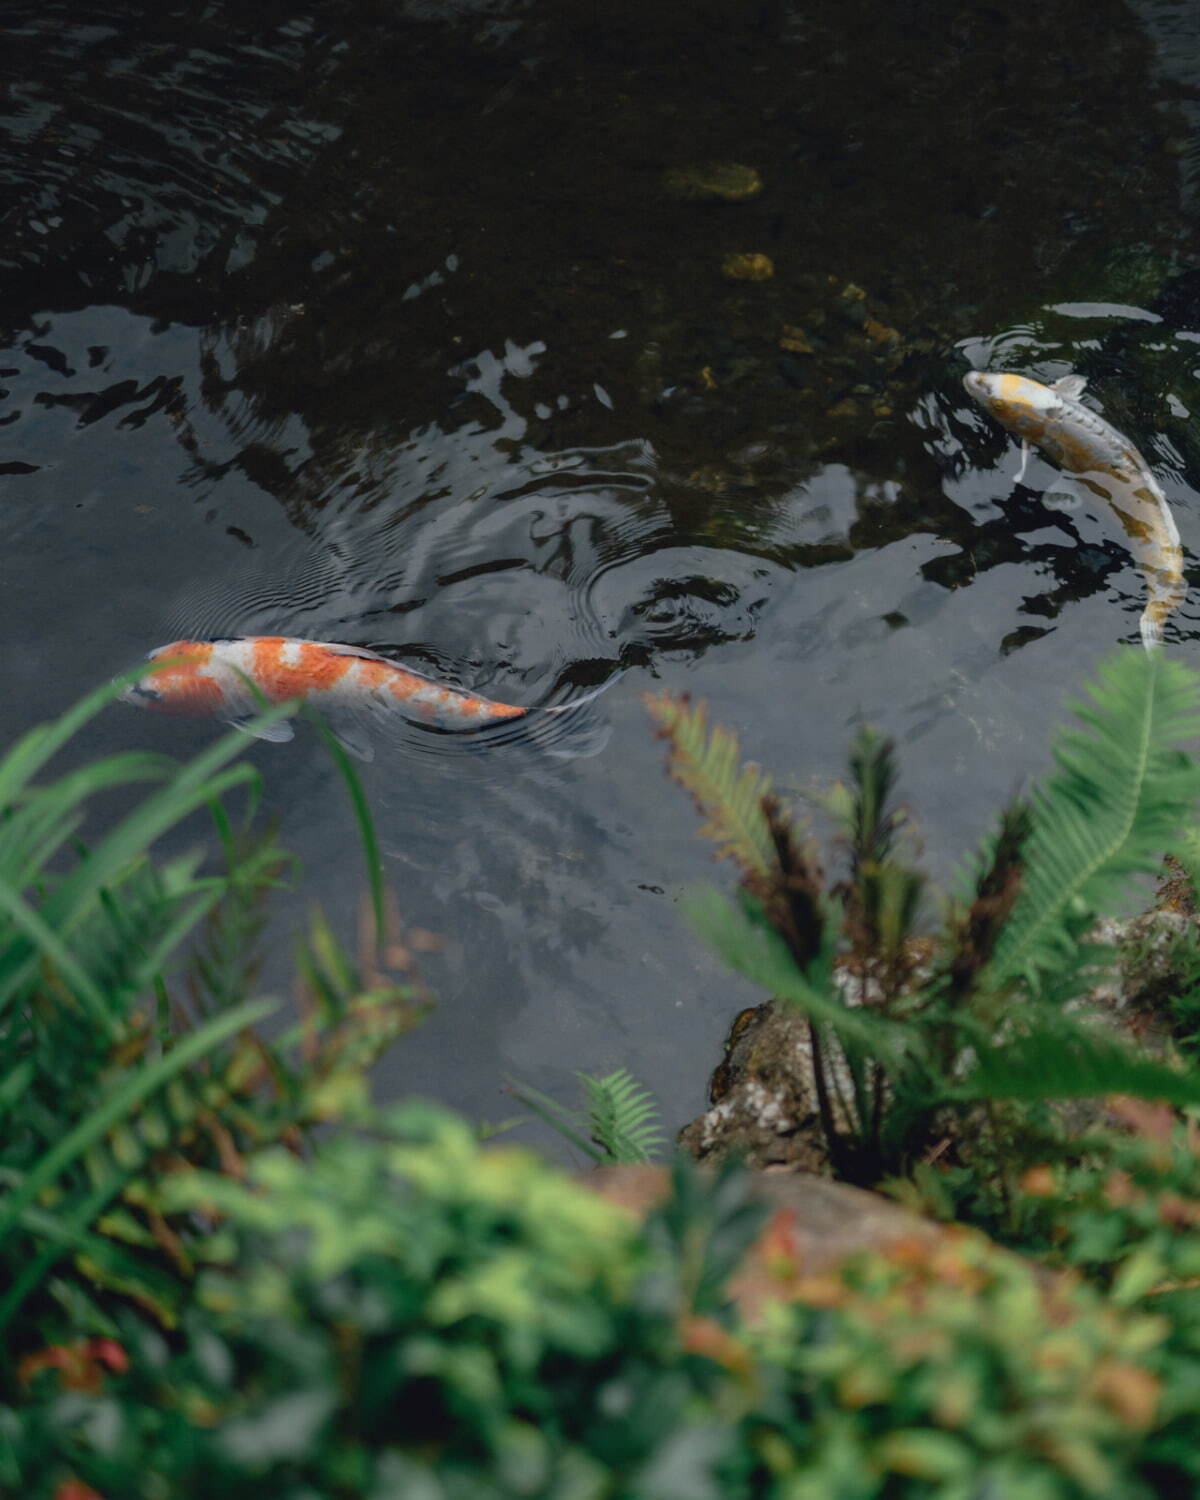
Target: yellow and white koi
1092 452
230 678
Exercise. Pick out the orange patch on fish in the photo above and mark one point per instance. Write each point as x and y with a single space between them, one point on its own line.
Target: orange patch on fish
496 710
184 685
374 674
403 685
313 670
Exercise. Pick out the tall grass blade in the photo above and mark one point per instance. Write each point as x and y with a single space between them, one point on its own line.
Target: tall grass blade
362 814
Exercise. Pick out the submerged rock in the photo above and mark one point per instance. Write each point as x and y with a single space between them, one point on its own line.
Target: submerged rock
763 1091
729 182
748 266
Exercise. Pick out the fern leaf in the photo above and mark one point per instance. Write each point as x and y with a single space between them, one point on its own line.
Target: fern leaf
1069 1061
973 934
706 763
756 951
561 1119
623 1117
1120 794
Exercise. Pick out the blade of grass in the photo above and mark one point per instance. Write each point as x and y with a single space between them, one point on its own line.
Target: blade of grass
34 749
362 814
555 1115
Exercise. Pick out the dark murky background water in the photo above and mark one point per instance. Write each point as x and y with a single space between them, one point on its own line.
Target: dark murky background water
399 324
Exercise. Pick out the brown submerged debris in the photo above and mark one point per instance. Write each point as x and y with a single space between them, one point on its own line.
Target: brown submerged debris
727 182
793 341
748 266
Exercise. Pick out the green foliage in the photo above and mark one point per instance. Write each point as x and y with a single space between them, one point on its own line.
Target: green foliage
620 1123
1122 791
109 1077
729 795
405 1314
203 1296
1125 1211
623 1117
908 1032
956 1373
412 1314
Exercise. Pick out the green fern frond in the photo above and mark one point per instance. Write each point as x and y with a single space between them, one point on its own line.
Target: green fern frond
973 932
748 944
1056 1058
620 1124
1119 797
874 822
707 764
623 1118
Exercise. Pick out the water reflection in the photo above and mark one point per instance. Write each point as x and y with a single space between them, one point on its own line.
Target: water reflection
383 324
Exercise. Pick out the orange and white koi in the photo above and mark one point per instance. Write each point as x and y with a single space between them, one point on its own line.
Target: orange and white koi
231 677
1092 452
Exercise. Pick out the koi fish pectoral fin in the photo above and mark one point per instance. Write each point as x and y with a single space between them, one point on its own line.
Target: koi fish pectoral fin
279 733
351 727
1071 386
353 739
1025 452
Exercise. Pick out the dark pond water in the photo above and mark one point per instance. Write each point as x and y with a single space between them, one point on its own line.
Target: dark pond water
406 325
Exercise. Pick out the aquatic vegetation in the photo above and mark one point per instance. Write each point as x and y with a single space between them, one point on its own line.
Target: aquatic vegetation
915 1031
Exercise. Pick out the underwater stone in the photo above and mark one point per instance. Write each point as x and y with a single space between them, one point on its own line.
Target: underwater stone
748 266
728 182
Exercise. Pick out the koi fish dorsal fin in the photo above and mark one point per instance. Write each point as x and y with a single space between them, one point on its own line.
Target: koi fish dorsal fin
363 654
340 649
1071 386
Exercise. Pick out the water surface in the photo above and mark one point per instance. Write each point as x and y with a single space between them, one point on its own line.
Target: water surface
400 325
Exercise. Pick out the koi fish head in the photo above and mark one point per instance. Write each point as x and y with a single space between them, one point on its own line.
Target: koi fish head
186 686
1022 405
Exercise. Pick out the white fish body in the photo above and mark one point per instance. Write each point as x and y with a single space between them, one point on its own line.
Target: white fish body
232 677
1090 450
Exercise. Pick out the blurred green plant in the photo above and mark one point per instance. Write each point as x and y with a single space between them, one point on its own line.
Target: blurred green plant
127 1015
955 1372
412 1314
908 1031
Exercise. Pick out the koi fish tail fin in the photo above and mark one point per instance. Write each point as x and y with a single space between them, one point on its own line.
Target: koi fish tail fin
1151 624
1167 590
566 708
